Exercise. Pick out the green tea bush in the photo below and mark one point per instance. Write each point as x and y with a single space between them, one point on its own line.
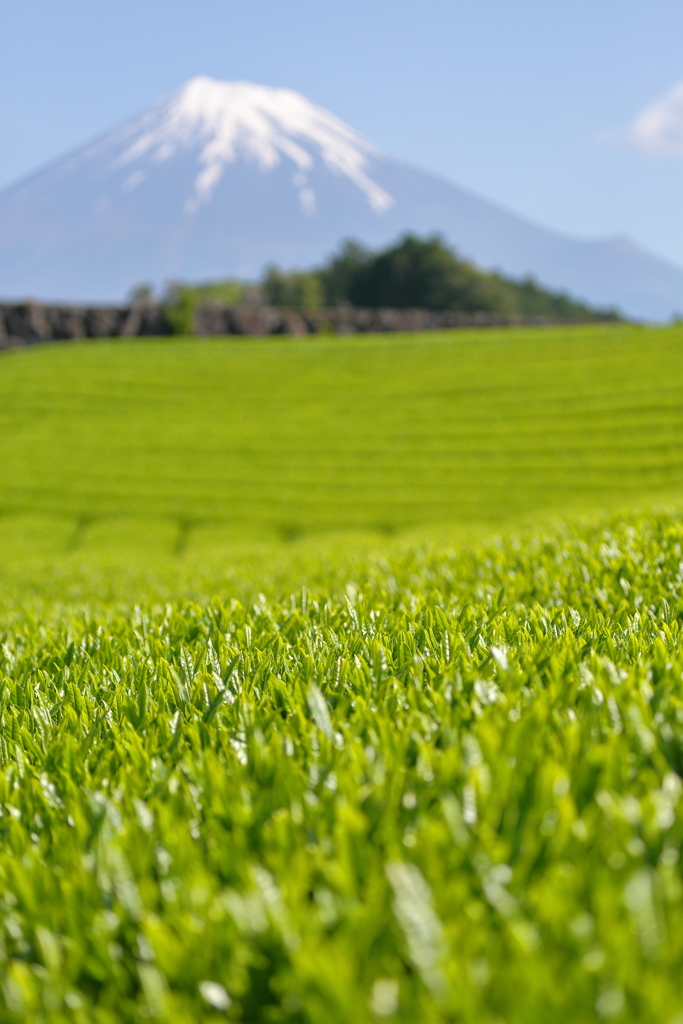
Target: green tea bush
298 437
430 786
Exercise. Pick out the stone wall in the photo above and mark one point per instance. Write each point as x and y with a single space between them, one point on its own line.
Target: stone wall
28 323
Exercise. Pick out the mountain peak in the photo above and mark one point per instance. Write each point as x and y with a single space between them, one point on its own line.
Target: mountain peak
224 121
220 179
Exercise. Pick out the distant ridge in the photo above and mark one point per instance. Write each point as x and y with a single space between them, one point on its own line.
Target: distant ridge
219 179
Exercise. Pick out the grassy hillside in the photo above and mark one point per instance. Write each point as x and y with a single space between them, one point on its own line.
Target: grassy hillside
183 443
272 751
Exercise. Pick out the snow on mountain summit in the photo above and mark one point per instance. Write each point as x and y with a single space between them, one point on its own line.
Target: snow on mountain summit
225 121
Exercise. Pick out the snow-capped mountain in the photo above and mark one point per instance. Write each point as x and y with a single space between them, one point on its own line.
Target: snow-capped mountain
220 178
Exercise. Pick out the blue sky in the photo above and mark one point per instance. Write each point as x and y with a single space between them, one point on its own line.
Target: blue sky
530 103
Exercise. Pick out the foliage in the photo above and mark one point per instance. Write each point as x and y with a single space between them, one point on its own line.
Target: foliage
294 291
448 790
413 273
231 293
181 301
179 309
190 444
418 273
345 779
425 273
530 299
341 273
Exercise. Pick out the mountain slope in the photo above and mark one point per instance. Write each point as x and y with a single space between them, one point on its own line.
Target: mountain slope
219 179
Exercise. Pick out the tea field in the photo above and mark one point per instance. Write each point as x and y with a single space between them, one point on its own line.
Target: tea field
184 445
341 680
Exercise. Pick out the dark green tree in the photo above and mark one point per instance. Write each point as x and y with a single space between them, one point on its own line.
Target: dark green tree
341 276
292 291
426 274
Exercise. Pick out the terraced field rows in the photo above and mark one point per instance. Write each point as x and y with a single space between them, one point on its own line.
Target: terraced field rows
286 438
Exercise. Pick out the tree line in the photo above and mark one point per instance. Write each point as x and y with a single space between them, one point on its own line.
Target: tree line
414 273
419 273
